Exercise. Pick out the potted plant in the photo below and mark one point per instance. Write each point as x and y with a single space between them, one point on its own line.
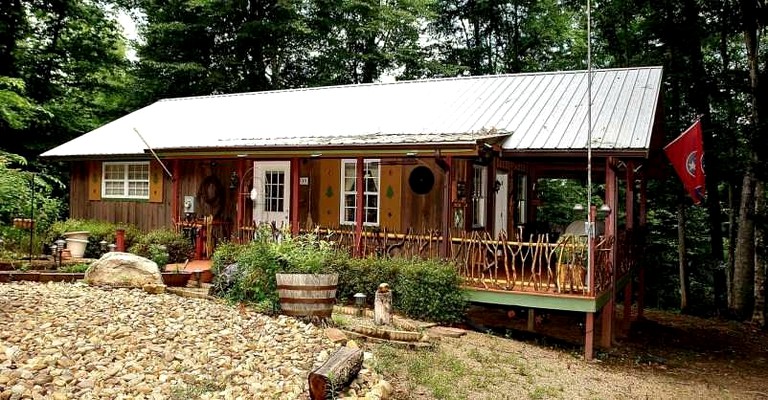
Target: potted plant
305 284
178 276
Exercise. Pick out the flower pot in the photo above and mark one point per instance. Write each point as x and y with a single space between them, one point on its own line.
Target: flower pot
176 279
76 247
305 295
82 235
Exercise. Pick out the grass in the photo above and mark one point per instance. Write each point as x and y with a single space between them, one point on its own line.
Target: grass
195 389
435 370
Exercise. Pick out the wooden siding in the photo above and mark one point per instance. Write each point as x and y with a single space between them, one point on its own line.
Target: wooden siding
141 213
422 211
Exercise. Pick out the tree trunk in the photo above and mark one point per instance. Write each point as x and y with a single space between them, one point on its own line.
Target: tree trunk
333 376
743 268
758 315
681 257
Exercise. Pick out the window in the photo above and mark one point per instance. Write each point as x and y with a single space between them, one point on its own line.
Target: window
274 191
127 180
371 178
521 193
479 190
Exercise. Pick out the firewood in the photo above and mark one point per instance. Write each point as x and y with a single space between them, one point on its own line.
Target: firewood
335 374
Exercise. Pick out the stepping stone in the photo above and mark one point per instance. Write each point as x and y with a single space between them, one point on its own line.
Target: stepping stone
445 331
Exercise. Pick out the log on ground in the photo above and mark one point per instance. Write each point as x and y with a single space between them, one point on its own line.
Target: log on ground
335 374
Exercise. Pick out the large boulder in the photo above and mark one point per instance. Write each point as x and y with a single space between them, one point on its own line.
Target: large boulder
123 270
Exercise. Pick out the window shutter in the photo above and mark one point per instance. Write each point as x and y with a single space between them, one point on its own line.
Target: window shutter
390 197
94 180
155 182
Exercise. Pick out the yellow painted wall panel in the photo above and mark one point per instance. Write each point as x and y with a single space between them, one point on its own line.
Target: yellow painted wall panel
391 195
330 186
94 180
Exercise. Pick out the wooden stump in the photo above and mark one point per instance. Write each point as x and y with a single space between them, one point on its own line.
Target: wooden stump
382 308
335 374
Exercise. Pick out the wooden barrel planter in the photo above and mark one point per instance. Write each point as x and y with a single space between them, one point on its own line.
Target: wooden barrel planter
307 295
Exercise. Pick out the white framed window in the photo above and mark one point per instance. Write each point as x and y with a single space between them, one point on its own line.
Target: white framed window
479 191
521 192
125 180
372 176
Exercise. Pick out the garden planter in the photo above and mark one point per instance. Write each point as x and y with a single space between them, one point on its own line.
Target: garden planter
82 235
307 295
176 279
76 247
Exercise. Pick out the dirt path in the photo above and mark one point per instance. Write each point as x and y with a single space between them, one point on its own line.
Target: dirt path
665 357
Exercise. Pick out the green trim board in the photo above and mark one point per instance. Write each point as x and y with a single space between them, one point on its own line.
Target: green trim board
538 300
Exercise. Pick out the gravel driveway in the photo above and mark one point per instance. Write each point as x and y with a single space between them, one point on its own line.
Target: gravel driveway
72 341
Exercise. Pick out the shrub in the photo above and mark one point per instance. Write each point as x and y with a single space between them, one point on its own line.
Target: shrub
423 289
226 253
98 231
178 247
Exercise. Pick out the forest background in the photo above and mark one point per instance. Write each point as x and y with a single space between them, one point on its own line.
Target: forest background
67 68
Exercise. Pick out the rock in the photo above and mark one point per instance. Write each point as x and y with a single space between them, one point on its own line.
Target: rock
224 280
123 270
154 289
352 344
445 331
335 335
58 396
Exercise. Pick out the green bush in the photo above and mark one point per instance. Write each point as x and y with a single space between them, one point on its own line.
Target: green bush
98 231
178 247
422 289
75 268
226 253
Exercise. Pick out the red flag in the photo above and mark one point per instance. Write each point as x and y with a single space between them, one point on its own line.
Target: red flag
687 156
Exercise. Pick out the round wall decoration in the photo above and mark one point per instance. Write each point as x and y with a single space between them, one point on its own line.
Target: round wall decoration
421 180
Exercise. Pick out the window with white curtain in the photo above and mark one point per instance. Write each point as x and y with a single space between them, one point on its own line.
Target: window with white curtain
125 180
371 179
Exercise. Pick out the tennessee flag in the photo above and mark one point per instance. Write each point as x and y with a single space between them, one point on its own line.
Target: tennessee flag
686 153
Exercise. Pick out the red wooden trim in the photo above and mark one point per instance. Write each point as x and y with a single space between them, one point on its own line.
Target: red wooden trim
359 204
606 334
589 336
176 212
295 172
642 220
630 195
447 208
240 204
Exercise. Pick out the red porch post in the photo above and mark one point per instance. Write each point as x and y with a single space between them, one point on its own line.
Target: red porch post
359 205
610 232
642 221
294 211
447 206
175 193
589 336
630 222
240 204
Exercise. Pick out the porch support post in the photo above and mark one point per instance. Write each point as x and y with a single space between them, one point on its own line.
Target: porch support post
531 320
611 198
240 202
445 251
175 192
642 221
630 224
295 172
359 205
589 336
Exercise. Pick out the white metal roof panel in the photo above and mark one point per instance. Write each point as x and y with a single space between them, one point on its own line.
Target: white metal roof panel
538 111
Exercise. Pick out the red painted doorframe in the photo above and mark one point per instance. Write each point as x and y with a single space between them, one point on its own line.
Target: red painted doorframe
294 211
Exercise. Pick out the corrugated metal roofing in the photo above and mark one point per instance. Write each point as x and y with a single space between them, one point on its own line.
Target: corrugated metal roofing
538 111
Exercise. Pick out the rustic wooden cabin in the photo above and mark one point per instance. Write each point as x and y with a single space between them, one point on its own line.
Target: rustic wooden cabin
439 167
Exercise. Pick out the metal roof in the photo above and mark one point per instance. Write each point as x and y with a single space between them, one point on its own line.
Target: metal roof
536 111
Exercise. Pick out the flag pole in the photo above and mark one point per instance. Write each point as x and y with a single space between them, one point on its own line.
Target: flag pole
590 217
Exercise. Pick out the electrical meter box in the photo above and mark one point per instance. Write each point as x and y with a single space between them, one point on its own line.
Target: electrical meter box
189 204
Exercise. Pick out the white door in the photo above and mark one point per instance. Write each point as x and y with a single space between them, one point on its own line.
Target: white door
271 192
500 203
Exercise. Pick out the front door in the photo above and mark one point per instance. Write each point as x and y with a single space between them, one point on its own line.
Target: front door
272 189
500 203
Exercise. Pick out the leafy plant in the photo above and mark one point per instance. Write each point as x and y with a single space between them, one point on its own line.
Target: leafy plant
159 254
177 247
226 253
75 268
97 231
